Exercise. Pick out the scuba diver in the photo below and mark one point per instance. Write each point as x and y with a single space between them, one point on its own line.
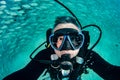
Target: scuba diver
67 56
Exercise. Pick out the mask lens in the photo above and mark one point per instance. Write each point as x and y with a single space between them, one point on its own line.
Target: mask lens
76 40
58 41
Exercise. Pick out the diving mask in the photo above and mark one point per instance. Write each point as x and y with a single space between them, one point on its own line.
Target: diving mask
66 39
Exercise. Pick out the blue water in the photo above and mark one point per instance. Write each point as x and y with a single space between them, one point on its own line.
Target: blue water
23 24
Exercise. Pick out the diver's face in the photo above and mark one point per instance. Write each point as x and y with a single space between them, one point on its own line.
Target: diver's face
72 53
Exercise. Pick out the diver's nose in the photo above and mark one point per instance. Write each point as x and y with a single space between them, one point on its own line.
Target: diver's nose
67 45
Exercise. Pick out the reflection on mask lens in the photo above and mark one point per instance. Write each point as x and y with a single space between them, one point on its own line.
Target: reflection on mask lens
76 40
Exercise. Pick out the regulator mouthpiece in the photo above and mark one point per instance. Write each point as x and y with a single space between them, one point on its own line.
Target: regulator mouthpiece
66 65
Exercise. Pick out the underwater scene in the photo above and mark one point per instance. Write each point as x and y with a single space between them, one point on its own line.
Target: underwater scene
23 26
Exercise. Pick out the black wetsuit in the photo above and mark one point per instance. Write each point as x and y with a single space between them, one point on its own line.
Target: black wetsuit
34 69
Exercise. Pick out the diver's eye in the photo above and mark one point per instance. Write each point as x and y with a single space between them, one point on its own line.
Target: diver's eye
60 38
